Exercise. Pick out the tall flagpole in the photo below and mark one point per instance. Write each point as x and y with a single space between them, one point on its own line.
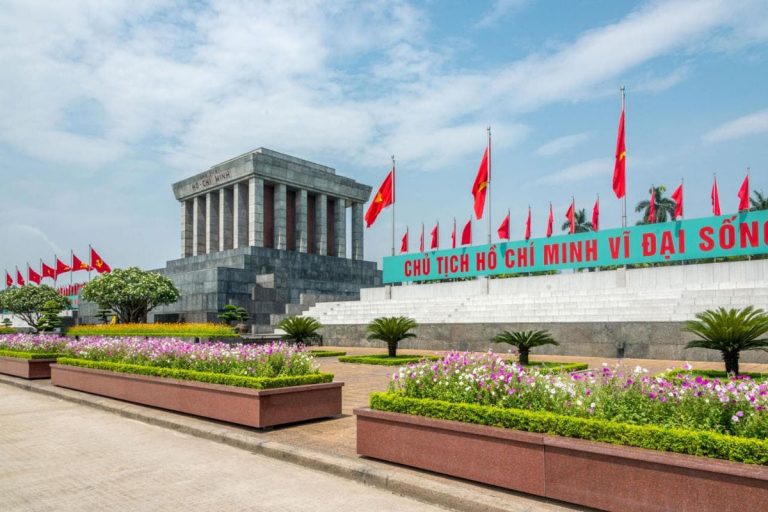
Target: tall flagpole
490 228
624 202
394 202
71 265
90 262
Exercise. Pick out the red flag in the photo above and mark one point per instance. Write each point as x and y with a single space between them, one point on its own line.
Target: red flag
744 195
480 186
619 166
33 276
596 215
715 196
404 242
62 267
421 239
571 216
652 207
8 279
435 244
677 197
503 230
466 233
48 271
19 278
384 197
528 225
550 221
453 235
98 264
77 264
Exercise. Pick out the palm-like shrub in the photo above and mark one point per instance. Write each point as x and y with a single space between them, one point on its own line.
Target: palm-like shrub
299 328
525 341
730 331
581 224
391 330
664 207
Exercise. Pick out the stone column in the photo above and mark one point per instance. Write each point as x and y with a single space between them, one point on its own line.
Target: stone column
225 218
186 228
281 237
211 222
321 219
340 227
358 229
301 221
256 212
240 215
198 226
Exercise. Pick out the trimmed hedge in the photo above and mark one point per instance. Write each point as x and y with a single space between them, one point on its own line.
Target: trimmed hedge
7 330
689 442
158 330
207 377
710 374
327 353
384 360
555 367
19 354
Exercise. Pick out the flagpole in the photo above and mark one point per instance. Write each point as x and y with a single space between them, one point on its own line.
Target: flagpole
393 203
490 226
90 261
624 199
71 265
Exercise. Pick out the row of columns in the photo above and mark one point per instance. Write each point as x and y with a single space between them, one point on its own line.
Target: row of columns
233 217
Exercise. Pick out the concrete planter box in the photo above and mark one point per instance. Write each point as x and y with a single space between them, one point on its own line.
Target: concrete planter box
258 408
598 475
26 368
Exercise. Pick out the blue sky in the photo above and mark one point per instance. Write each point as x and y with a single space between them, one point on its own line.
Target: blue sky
104 105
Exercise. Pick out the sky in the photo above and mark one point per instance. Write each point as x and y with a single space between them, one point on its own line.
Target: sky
105 104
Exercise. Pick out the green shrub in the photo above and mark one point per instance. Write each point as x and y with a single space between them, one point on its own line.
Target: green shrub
711 374
524 341
690 442
299 328
384 360
27 355
391 330
555 367
7 330
207 377
327 353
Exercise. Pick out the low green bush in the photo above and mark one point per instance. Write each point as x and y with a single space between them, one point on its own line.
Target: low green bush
327 353
7 330
385 360
555 367
711 374
27 355
197 376
690 442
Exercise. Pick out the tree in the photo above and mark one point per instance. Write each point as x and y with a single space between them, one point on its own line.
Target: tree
731 331
131 293
525 341
391 330
759 201
582 225
231 314
27 302
7 323
299 328
50 319
664 207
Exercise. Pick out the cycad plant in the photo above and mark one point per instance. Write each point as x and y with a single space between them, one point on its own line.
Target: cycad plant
391 330
525 341
731 331
299 328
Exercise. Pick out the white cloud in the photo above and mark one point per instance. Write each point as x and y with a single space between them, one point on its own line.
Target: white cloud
498 11
744 126
562 144
580 171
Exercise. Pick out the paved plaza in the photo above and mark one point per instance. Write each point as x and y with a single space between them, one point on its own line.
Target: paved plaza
71 457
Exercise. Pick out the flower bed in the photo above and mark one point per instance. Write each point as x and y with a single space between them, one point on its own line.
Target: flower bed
191 330
255 385
385 360
541 430
29 356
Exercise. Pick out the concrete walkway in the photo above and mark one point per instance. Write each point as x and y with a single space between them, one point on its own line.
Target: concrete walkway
329 445
57 455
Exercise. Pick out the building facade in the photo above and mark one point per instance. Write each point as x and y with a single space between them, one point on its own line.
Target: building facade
268 232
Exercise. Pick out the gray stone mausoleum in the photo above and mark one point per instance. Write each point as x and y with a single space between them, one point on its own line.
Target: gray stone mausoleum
268 232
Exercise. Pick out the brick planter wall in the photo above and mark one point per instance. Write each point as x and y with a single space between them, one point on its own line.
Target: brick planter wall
26 368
